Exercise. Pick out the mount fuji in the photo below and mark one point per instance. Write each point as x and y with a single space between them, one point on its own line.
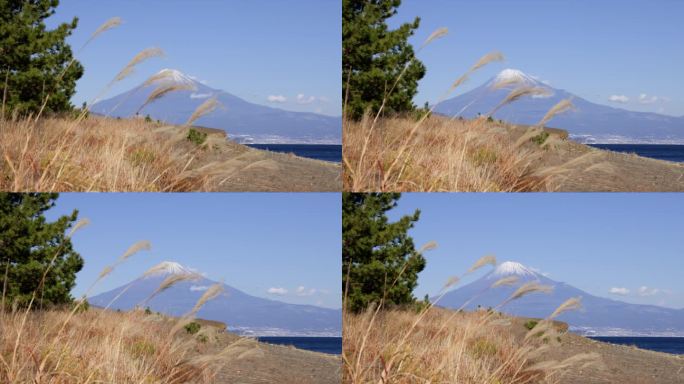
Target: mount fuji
588 123
243 121
242 313
598 316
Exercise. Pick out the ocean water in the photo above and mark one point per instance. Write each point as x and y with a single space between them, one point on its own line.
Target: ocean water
673 345
330 345
326 152
669 152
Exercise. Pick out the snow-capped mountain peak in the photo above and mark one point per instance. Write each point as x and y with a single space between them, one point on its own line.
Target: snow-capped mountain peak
514 77
247 122
168 268
175 76
509 268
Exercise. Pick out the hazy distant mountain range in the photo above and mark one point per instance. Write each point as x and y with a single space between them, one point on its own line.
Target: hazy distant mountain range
588 123
241 312
243 121
598 316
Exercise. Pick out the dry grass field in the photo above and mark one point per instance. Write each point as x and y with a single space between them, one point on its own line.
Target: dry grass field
441 155
73 152
428 344
442 346
445 154
97 346
104 154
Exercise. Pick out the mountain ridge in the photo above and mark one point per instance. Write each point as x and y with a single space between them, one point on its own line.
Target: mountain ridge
598 315
589 123
243 313
244 122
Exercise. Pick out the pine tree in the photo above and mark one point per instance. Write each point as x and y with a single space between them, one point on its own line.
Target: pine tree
373 56
29 245
35 62
376 253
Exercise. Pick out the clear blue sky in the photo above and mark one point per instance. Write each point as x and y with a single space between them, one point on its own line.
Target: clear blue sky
251 241
594 49
252 49
593 241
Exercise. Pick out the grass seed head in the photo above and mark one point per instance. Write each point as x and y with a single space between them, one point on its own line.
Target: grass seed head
481 262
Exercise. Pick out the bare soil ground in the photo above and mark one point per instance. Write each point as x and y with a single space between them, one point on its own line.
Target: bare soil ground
241 168
278 364
588 169
619 363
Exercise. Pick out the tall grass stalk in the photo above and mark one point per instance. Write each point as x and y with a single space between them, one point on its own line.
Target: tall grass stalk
68 345
436 345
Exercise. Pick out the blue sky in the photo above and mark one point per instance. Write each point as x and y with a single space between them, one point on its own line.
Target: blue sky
252 241
594 49
593 241
290 50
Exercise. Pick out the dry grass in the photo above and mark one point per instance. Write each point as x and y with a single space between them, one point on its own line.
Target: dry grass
98 154
428 344
429 153
445 347
40 153
96 347
442 155
105 154
80 345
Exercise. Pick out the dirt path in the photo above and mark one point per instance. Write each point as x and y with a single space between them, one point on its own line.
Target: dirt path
619 363
277 364
581 168
240 168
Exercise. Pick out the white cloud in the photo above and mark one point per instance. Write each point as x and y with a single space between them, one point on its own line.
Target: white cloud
199 80
303 291
622 99
645 99
199 288
301 99
276 99
646 291
277 291
539 271
197 271
619 291
199 95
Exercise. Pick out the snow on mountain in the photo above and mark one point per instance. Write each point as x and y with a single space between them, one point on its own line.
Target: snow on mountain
175 76
588 123
509 268
243 313
598 316
243 121
169 268
514 76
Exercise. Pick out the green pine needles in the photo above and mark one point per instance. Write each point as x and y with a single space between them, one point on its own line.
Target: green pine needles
38 72
380 264
36 255
379 67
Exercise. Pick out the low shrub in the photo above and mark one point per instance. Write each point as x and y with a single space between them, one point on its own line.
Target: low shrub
192 328
196 136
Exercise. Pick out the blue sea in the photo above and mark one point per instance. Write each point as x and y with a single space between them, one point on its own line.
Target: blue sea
673 345
330 345
669 152
326 152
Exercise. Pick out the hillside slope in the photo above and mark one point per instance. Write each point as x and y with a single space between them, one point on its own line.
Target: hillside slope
589 122
598 315
243 121
242 312
106 154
